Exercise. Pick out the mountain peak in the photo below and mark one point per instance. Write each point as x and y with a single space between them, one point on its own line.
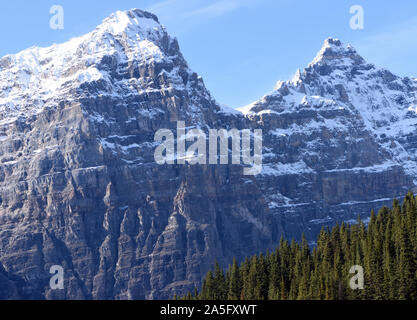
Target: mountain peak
130 22
332 42
334 52
132 37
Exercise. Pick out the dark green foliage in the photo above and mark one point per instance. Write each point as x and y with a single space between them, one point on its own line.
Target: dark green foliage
386 249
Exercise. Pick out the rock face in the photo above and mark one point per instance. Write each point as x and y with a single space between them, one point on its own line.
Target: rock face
8 288
79 186
339 140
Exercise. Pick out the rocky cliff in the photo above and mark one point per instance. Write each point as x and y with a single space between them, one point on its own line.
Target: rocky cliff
340 140
79 186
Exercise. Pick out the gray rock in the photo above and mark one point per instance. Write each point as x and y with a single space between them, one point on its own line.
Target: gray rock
79 186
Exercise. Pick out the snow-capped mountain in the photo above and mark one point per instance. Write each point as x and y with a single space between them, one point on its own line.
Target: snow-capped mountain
340 139
116 57
79 186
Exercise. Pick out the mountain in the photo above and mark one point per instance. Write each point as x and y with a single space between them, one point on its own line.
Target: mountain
339 140
79 186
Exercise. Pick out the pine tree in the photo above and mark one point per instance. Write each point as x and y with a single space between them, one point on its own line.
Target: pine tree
261 289
207 292
386 248
235 282
252 279
274 277
219 280
406 267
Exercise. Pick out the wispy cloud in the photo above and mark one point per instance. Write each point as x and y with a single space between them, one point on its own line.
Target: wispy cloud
386 45
220 8
160 6
184 15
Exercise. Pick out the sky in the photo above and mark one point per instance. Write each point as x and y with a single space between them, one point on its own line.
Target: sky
241 48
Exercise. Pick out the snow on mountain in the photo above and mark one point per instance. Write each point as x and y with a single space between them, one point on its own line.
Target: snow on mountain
339 140
340 79
79 185
37 77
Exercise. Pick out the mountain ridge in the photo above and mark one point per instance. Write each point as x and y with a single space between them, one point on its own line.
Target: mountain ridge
79 186
341 124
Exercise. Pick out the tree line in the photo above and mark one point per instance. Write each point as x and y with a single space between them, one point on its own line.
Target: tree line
385 247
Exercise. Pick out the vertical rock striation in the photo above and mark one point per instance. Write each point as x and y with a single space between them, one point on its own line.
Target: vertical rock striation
79 186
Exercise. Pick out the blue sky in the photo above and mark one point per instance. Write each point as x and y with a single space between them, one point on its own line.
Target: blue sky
240 47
